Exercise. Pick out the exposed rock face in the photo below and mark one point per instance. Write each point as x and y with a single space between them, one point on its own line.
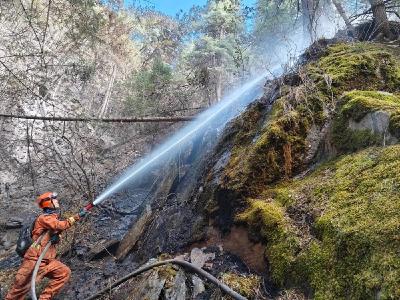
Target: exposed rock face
170 230
149 287
129 241
177 288
198 286
302 120
377 123
199 258
258 195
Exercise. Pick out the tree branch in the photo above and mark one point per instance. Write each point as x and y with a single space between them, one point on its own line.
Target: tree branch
104 120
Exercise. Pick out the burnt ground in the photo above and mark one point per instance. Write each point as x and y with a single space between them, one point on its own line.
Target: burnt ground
179 221
178 195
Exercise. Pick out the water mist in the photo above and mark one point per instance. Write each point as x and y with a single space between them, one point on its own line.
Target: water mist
217 115
281 52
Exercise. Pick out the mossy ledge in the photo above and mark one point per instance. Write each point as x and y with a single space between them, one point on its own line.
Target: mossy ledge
352 247
335 232
356 105
279 146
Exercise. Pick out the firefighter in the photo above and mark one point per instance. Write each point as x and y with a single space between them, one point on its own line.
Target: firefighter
47 227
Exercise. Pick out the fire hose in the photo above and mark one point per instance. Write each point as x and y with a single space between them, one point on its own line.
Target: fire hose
182 263
36 269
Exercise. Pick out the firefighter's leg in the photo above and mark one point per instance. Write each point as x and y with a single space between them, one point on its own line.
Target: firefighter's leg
58 273
22 281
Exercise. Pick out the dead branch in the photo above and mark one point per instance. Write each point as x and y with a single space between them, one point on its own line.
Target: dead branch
104 120
342 13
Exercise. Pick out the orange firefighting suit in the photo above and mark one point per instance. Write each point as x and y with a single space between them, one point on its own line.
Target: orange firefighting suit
57 272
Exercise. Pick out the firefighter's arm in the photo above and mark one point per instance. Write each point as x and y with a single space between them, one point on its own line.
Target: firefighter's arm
51 222
73 219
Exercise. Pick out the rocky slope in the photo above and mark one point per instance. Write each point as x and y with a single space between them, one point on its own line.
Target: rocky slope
326 219
331 230
298 199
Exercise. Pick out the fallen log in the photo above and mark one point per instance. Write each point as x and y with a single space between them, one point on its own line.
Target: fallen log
103 120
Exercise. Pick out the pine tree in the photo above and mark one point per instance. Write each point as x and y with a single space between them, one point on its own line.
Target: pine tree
217 55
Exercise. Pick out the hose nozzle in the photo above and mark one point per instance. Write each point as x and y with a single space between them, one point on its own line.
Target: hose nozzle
89 206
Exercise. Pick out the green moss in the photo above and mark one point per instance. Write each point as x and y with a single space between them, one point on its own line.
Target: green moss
359 103
355 66
280 145
354 253
267 219
247 285
281 194
356 105
279 148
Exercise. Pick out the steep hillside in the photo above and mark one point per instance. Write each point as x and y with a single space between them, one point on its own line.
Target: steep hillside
332 231
297 198
301 188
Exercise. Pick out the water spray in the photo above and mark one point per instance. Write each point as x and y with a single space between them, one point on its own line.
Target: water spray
236 97
183 135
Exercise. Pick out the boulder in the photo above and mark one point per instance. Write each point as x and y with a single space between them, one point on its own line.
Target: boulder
378 123
177 289
199 258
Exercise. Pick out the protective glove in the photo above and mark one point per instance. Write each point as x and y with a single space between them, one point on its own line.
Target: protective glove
73 219
83 212
55 239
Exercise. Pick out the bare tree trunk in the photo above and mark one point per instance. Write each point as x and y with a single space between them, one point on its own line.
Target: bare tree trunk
155 119
342 13
28 146
308 9
380 17
108 93
218 86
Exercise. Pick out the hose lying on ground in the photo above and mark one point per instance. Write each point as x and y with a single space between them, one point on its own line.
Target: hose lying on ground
182 263
36 269
139 271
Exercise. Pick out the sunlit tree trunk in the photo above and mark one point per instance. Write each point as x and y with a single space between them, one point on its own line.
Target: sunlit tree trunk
218 86
308 10
342 13
380 17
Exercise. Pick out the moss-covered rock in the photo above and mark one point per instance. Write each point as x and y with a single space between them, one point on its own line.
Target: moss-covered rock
279 147
357 104
354 249
364 66
268 220
248 286
334 232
